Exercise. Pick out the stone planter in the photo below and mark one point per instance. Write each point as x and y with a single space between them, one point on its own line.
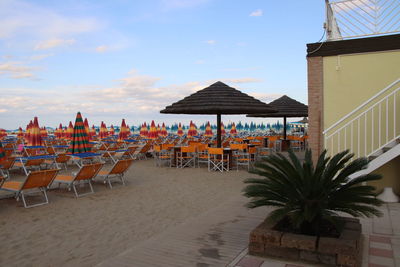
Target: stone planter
342 251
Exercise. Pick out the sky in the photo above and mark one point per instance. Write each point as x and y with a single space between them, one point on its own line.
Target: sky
129 59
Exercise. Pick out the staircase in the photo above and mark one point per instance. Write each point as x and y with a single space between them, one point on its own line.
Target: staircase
371 130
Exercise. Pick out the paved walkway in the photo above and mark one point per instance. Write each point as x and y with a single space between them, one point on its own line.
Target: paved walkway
220 237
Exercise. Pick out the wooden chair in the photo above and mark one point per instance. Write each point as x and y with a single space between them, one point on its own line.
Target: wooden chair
85 174
35 180
117 171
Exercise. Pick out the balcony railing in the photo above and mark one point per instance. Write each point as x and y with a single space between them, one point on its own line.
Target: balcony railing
361 18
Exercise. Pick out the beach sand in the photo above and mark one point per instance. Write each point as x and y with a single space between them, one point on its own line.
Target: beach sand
88 230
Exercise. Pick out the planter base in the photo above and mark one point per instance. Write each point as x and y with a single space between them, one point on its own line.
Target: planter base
342 251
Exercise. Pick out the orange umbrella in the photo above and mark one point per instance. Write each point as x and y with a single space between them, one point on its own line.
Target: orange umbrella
59 132
123 131
233 129
163 131
35 136
28 132
153 131
92 131
192 129
79 141
180 131
70 131
128 130
208 132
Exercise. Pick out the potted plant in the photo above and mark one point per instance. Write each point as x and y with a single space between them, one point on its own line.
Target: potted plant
307 201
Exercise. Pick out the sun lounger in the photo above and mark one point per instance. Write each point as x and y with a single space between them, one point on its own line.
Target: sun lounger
117 171
85 174
35 180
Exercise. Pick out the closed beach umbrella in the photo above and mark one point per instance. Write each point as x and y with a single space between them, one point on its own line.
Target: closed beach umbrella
192 130
112 130
164 132
153 131
35 136
87 128
223 132
43 132
79 141
70 131
92 131
103 131
143 131
218 99
233 129
123 131
20 133
28 132
180 131
208 132
128 130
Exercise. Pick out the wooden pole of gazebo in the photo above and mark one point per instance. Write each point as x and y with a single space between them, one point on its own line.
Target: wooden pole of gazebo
219 141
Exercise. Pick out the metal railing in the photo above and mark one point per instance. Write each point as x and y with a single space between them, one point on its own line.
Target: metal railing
368 128
358 18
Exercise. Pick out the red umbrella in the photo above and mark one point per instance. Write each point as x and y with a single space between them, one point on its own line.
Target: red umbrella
143 130
103 133
112 130
79 142
43 132
163 131
20 133
92 132
123 131
222 129
192 130
70 131
87 129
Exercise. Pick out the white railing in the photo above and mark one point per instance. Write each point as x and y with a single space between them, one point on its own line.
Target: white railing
369 127
357 18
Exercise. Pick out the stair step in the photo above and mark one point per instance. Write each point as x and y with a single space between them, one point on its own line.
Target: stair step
371 158
386 149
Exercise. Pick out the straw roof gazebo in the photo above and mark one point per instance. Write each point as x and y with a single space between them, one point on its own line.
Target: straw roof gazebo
218 99
286 107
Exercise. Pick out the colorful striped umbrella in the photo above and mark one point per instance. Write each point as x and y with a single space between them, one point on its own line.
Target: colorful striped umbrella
112 130
28 132
223 132
35 138
87 129
143 130
92 132
123 131
59 132
43 132
233 129
153 131
79 142
163 131
192 130
20 133
70 131
180 131
208 132
103 133
3 133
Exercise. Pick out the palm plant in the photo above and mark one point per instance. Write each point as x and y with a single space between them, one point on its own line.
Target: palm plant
309 196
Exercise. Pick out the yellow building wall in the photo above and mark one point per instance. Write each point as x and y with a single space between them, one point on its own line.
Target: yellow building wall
390 176
350 80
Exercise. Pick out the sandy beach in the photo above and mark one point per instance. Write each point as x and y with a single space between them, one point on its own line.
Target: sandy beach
89 230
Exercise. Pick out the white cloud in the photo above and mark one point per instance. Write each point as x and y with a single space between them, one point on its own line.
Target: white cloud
52 43
102 49
266 98
40 57
211 42
19 18
16 70
256 13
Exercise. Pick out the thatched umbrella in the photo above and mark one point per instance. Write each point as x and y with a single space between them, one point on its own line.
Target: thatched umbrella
286 107
218 99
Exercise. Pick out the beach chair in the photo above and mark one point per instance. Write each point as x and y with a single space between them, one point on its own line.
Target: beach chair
85 174
35 180
186 157
117 171
246 158
30 163
217 160
6 165
162 156
61 159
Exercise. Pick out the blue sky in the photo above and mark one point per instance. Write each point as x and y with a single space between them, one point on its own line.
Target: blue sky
129 59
